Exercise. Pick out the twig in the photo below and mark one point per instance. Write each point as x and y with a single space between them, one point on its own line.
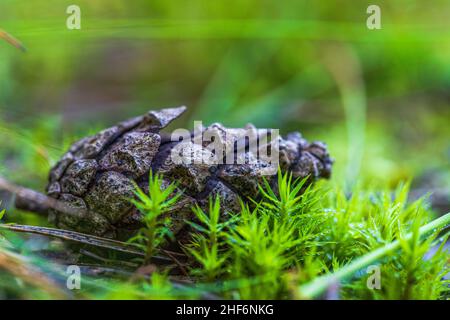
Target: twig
178 263
108 261
34 201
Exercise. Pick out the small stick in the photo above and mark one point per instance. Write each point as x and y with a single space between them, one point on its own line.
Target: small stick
31 200
178 263
76 237
92 255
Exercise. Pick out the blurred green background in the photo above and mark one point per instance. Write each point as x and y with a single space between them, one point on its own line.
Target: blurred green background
379 98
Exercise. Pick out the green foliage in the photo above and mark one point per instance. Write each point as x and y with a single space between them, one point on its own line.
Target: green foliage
208 244
417 273
279 247
286 201
295 234
364 221
153 207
